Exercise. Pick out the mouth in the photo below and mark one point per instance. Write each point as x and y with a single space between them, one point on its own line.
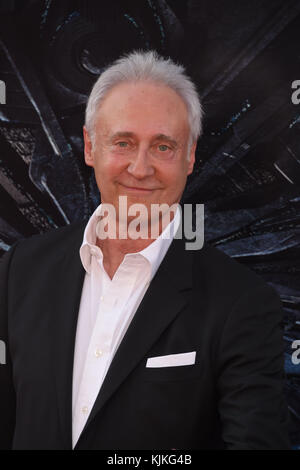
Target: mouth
136 189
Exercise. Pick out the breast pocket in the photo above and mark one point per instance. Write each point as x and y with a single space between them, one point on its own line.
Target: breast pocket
172 373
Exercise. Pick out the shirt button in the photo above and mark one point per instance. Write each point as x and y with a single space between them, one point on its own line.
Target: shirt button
98 352
84 409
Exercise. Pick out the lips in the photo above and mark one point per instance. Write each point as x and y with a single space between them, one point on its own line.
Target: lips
135 188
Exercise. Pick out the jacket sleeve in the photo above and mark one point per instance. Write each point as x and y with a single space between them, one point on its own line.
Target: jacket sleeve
252 406
7 393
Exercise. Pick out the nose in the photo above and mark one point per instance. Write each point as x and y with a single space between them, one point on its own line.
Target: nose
140 165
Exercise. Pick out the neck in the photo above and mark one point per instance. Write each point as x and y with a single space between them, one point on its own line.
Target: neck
114 249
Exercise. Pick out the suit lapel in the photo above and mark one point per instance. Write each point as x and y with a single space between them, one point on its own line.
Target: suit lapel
162 302
68 276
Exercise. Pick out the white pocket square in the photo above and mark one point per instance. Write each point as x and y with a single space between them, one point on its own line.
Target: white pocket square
181 359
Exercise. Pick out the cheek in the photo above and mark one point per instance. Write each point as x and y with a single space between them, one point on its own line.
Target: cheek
110 166
173 176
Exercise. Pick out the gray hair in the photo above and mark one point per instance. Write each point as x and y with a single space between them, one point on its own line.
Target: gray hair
147 66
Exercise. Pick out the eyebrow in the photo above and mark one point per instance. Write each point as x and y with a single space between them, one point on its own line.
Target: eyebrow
156 137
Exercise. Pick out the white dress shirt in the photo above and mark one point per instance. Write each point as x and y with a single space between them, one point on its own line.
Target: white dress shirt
106 309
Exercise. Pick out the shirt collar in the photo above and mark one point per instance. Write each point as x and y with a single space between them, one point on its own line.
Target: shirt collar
153 253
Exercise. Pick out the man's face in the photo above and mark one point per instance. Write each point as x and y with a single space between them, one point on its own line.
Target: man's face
140 145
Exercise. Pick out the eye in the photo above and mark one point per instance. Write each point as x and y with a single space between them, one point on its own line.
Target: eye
122 144
163 147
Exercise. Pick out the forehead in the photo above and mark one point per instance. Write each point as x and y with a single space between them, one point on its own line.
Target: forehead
142 107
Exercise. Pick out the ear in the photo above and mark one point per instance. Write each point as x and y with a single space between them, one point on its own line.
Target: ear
88 148
192 158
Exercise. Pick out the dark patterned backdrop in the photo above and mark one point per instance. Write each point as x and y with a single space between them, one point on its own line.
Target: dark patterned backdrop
243 56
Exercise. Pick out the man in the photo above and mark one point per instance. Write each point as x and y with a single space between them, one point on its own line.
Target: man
119 342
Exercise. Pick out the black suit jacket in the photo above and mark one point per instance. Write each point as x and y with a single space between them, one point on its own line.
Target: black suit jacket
202 301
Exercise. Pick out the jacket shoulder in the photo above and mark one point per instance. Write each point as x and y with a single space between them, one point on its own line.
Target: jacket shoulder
54 240
224 273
